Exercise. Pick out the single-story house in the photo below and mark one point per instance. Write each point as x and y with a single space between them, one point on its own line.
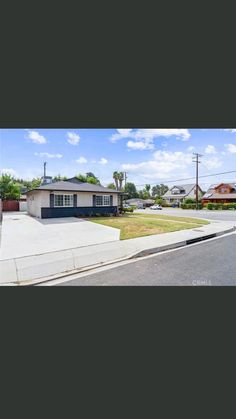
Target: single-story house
71 198
140 202
177 193
220 193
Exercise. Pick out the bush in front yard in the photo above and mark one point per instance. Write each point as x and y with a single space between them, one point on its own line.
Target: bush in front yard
190 206
127 210
219 206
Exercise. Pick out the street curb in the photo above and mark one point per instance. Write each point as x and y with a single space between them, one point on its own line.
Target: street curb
182 243
134 255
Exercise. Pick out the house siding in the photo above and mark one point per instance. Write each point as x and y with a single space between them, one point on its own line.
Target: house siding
76 211
38 205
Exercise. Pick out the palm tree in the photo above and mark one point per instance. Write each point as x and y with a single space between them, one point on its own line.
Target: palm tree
120 178
116 177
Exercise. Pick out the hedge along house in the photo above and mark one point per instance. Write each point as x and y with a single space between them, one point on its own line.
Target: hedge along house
178 193
71 198
222 193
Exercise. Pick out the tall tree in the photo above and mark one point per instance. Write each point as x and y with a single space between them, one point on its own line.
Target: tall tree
116 179
131 190
111 186
159 190
121 179
89 179
81 177
58 178
147 189
164 188
8 188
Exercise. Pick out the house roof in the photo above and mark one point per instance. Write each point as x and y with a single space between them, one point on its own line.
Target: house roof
210 192
132 200
73 187
139 200
219 196
187 189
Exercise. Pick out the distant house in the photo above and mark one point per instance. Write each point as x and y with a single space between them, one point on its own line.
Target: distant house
177 193
71 198
220 193
138 202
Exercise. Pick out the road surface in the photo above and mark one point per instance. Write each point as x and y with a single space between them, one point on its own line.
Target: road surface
210 263
211 215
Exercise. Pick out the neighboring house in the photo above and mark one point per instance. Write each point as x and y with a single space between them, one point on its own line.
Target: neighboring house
220 193
140 202
71 198
177 193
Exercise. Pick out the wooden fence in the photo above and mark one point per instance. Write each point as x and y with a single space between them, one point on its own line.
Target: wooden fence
10 206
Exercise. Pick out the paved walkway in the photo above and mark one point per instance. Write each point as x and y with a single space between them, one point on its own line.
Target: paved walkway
23 235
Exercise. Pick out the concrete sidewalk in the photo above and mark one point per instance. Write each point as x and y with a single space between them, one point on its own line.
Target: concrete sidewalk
39 268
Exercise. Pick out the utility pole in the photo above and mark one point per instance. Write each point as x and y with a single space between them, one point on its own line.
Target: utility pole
196 160
125 174
44 170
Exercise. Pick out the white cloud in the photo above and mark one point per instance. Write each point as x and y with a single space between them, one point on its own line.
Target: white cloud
82 160
150 134
49 156
103 161
191 148
73 138
140 145
162 165
210 149
231 148
36 137
212 163
11 172
233 130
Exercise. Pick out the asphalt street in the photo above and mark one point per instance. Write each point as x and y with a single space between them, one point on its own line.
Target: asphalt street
210 263
207 214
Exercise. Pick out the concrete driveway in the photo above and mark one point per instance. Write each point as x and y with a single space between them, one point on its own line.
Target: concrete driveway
23 235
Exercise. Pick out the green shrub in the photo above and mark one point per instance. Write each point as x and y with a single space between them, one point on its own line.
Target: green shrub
189 201
219 206
191 206
127 210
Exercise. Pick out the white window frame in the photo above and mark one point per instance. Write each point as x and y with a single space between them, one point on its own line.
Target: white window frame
103 200
64 195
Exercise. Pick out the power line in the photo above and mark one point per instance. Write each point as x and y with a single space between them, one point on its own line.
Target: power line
189 178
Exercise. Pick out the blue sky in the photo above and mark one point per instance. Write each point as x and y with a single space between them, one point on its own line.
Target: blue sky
148 155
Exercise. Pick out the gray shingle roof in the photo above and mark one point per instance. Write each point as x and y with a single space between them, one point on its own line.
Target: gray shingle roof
187 190
73 187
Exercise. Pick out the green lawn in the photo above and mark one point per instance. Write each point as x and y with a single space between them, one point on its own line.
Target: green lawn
173 218
139 225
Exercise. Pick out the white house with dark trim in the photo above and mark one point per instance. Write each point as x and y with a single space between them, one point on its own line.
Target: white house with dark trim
71 198
177 193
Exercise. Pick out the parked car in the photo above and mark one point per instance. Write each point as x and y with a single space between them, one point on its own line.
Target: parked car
175 205
156 207
126 206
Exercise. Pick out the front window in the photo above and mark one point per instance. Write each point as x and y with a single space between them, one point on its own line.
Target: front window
103 200
63 200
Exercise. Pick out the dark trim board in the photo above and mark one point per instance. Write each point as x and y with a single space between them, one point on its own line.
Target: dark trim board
77 211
